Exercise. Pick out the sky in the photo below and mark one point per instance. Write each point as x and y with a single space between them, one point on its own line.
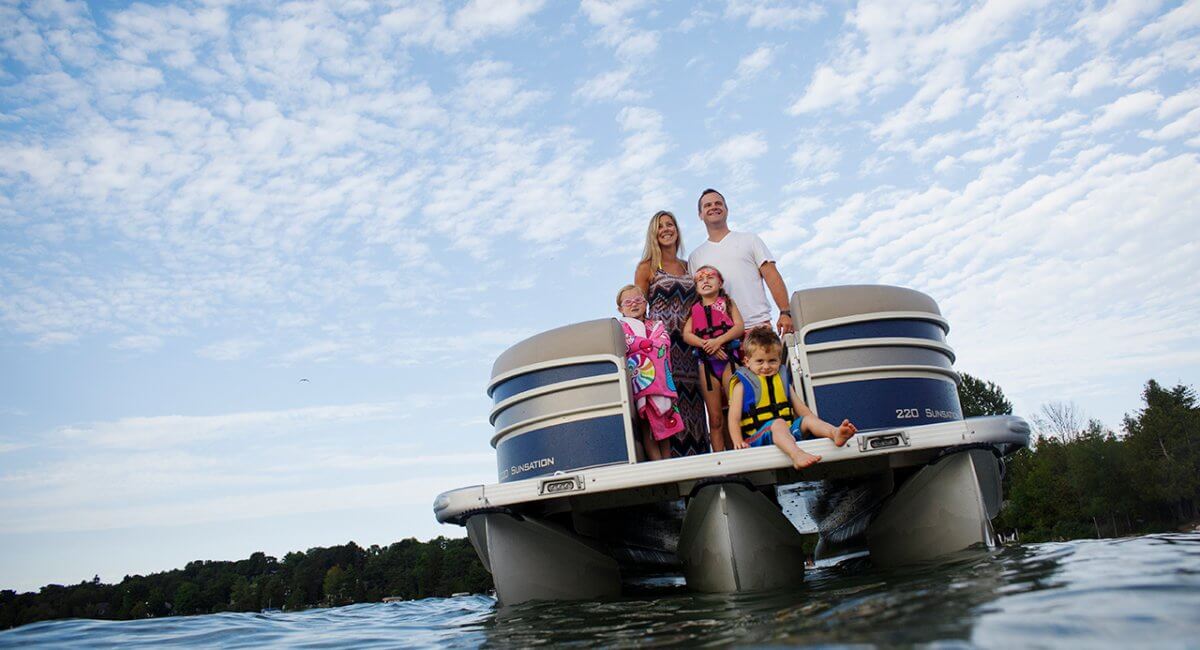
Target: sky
202 204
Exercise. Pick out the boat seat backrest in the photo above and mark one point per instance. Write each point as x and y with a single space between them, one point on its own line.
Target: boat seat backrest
561 401
876 354
827 303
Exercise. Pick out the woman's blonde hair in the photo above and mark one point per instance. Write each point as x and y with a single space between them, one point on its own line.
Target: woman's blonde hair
627 288
653 252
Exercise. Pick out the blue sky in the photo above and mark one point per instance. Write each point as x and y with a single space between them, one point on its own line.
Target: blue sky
202 204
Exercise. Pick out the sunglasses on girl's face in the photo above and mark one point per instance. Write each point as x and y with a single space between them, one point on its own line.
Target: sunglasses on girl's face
707 275
633 302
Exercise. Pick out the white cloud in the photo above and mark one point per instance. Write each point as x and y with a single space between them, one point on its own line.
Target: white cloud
888 46
1180 19
317 174
755 62
1102 245
1102 25
749 67
1093 75
489 87
230 349
1179 102
1183 127
482 17
812 157
828 88
618 30
168 431
735 155
1129 106
426 22
139 342
774 14
614 85
54 338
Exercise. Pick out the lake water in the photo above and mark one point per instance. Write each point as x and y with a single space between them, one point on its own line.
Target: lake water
1142 591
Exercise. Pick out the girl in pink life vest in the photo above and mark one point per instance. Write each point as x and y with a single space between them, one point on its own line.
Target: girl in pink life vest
647 355
714 327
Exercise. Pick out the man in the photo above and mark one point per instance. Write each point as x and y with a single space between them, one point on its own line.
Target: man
744 261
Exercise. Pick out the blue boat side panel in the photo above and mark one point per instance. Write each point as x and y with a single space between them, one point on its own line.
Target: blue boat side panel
888 328
885 403
547 376
562 447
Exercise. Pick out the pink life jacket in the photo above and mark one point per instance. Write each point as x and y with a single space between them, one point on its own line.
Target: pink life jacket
711 321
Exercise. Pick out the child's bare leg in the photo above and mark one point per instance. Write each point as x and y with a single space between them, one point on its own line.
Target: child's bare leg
839 434
844 432
726 375
781 435
664 448
716 419
653 451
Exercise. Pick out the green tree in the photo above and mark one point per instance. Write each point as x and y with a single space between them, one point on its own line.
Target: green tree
334 586
243 596
980 397
187 599
1164 444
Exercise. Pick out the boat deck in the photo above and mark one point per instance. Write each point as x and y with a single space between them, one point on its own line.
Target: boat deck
629 483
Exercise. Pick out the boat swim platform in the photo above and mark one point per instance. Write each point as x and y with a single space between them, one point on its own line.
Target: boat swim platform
625 484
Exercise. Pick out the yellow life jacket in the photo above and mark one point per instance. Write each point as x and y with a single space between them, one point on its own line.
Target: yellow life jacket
763 399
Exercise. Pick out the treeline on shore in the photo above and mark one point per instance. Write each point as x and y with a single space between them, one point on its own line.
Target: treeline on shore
1079 479
339 575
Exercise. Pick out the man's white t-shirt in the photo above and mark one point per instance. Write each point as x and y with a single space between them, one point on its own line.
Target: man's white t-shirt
738 257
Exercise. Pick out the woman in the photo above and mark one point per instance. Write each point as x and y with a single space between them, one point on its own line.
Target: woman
664 278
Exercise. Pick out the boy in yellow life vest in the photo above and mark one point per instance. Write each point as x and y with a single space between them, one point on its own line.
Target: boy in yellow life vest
764 408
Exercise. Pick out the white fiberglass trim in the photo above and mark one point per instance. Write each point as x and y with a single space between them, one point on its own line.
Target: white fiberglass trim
875 316
591 410
552 388
553 363
993 430
850 344
880 372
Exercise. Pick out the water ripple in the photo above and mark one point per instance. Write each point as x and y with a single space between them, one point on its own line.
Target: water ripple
1135 591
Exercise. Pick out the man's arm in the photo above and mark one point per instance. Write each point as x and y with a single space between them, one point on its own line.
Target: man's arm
779 293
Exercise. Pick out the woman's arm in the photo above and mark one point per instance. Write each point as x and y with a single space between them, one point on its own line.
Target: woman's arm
735 416
641 277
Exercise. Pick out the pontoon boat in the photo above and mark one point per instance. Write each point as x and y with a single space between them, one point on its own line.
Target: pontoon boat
576 510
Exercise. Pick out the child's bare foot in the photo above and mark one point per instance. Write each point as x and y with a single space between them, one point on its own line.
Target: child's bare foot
844 433
802 459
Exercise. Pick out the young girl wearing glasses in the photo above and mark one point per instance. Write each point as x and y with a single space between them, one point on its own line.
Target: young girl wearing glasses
647 355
